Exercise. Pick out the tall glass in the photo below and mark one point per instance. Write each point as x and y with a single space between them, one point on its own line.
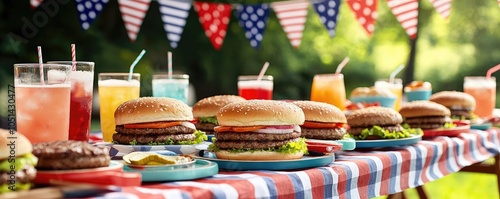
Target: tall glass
395 87
484 92
114 89
329 88
249 87
176 87
42 105
82 82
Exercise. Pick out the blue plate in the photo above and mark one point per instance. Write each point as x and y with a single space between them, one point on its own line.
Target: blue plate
347 144
483 126
210 138
200 169
388 142
275 165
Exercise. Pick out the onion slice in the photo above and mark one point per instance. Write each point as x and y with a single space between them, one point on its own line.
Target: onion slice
279 129
189 125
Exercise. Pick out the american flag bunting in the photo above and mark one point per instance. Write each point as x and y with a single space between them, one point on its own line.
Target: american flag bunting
443 7
406 12
253 19
292 16
88 11
173 15
133 12
328 11
365 13
214 18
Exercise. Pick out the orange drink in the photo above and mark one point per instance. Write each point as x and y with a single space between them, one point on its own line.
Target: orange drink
395 87
114 89
484 92
42 106
329 88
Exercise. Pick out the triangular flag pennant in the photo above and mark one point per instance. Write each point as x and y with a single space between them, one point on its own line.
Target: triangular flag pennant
292 16
366 13
443 7
214 18
328 11
88 11
253 19
35 3
173 15
406 11
133 12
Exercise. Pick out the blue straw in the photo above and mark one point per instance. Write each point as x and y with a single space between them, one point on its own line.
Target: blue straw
135 63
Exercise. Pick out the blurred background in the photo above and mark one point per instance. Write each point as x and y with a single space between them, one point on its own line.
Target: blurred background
465 44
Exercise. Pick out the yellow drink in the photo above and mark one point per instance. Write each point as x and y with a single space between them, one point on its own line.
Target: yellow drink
395 87
329 88
112 93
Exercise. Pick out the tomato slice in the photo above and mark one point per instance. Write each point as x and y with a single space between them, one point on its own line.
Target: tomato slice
152 125
321 125
222 128
238 129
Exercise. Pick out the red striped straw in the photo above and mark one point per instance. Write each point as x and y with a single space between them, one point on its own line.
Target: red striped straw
73 57
40 61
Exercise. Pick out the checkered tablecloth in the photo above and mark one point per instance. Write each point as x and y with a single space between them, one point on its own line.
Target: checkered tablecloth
356 174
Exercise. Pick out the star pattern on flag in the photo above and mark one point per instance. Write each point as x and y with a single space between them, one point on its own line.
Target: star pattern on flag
443 7
174 14
35 3
88 11
214 18
406 12
133 13
328 11
292 16
365 12
253 19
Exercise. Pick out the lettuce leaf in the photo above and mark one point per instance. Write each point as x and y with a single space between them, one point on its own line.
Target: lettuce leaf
289 148
212 120
4 188
200 137
386 134
19 162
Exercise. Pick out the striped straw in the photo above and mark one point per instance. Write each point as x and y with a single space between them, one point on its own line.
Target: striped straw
40 61
169 65
73 57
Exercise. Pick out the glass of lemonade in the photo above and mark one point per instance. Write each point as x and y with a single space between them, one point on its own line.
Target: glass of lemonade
484 92
114 89
42 105
251 88
82 82
395 87
329 88
176 86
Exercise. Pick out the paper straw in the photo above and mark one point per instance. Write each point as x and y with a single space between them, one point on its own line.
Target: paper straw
169 65
73 57
134 63
263 71
395 72
492 70
341 65
40 61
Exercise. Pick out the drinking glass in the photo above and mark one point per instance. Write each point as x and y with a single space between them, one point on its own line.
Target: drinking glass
395 87
484 92
249 87
175 86
329 88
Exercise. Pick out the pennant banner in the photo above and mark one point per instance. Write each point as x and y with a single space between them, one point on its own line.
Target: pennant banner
35 3
88 11
292 16
328 11
173 15
253 19
406 11
366 13
443 7
214 18
133 12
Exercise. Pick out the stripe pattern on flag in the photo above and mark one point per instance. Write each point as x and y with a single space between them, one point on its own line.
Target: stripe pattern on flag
406 12
214 18
35 3
328 11
292 16
88 11
253 19
365 13
173 15
133 12
443 7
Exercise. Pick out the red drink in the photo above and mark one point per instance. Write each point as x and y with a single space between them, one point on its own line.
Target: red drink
250 88
255 93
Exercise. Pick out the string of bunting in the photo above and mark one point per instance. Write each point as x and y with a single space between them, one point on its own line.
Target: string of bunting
253 18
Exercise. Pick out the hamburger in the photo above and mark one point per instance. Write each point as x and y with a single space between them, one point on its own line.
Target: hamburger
205 111
378 123
322 121
259 130
460 104
155 121
17 163
425 115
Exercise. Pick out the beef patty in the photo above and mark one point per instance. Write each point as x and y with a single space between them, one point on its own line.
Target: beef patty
427 122
460 113
151 138
252 140
206 127
252 144
323 134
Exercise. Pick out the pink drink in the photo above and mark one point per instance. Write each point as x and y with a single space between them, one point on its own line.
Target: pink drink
484 92
81 105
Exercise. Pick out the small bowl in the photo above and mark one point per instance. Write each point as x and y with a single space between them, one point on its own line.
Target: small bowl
383 101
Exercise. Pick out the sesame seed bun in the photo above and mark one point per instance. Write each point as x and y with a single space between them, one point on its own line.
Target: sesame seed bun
209 107
454 99
21 145
423 109
152 109
258 155
321 112
370 116
260 112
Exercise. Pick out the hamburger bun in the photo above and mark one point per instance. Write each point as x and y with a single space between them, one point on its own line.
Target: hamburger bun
380 116
257 155
209 107
152 109
454 99
321 112
260 112
423 108
22 144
